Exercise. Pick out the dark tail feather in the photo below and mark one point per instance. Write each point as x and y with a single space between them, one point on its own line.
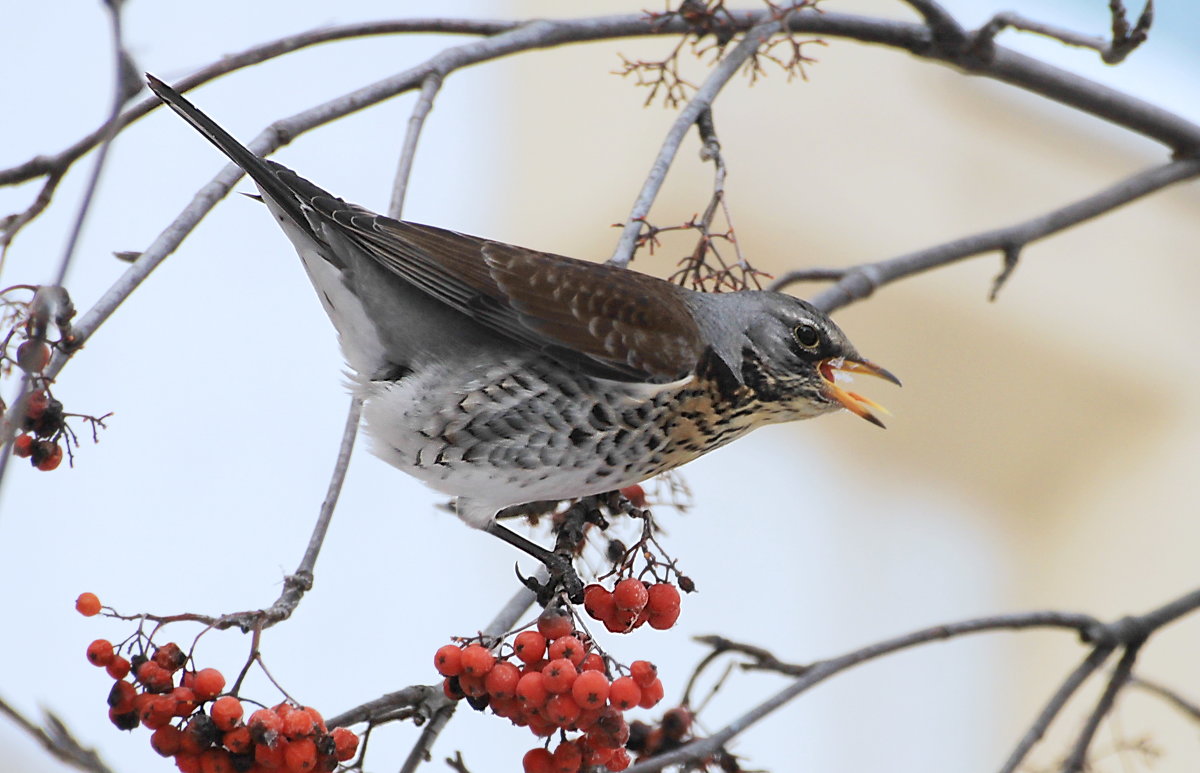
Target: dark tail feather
260 171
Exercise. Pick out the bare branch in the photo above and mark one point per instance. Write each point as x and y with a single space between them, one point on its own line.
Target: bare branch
56 739
1124 39
1054 706
858 282
429 90
1120 677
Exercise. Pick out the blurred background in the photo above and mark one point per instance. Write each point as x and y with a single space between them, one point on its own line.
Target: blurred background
1042 454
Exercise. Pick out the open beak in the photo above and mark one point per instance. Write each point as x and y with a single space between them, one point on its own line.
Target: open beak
837 369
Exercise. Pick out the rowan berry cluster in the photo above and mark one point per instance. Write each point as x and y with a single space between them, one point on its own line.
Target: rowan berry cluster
551 680
43 417
203 730
632 603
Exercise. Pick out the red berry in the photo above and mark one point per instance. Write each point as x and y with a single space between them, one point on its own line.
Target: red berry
501 681
100 652
529 646
635 494
554 622
185 701
568 647
123 720
318 720
643 672
208 684
226 712
630 594
166 740
452 689
477 660
651 694
265 727
624 693
559 675
345 743
472 686
562 710
661 621
568 758
238 740
118 667
538 760
598 602
618 761
23 446
297 724
154 677
157 711
592 662
271 757
216 761
676 723
590 689
301 755
662 597
448 660
187 762
87 605
531 690
199 734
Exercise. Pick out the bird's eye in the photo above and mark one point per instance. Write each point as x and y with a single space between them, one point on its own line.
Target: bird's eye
807 336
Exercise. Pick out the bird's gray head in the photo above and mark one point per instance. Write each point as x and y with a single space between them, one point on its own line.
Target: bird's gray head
788 351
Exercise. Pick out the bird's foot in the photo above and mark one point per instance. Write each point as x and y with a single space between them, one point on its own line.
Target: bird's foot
558 563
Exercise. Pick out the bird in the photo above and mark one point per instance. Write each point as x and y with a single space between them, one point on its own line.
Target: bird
502 375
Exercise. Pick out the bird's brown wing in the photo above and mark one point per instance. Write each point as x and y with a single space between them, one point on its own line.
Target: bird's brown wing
619 323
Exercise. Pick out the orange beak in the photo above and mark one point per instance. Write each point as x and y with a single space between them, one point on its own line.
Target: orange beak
840 368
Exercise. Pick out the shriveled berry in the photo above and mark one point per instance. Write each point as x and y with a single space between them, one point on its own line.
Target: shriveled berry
199 733
120 697
100 652
452 689
170 657
216 761
618 761
87 604
635 494
47 455
677 723
33 356
124 720
154 677
23 446
448 660
529 646
554 622
265 726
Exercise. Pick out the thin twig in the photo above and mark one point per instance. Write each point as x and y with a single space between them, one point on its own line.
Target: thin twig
1055 705
1127 632
860 281
1120 676
1187 706
702 101
416 121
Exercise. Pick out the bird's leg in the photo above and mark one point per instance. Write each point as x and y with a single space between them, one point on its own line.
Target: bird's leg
558 564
